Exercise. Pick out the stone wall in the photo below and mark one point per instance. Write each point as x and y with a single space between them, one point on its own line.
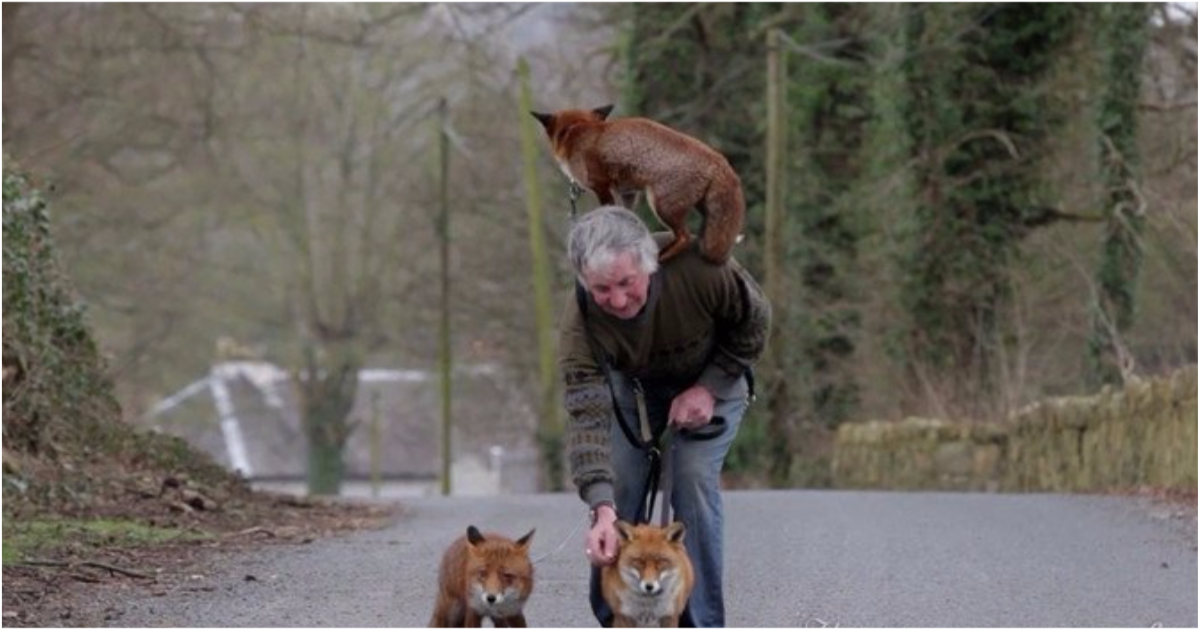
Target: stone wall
1144 434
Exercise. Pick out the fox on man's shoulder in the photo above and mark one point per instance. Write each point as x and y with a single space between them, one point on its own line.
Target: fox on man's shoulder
617 158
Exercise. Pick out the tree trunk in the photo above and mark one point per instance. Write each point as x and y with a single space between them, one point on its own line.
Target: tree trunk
328 389
326 467
445 349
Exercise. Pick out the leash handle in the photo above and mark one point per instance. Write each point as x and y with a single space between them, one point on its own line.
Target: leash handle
705 432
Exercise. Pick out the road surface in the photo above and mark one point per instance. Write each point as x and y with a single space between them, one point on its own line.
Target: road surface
793 559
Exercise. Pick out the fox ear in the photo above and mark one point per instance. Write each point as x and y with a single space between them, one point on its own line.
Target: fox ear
524 540
625 530
547 120
473 535
675 532
603 112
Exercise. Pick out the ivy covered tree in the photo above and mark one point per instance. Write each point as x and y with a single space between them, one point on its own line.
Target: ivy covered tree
828 105
978 117
1121 32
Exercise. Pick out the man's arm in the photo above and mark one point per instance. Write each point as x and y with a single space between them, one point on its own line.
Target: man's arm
743 319
588 402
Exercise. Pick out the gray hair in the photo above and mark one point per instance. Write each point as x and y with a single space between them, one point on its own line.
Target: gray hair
601 235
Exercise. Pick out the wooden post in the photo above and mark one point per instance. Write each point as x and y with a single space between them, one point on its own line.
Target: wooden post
376 440
549 426
444 359
775 149
774 281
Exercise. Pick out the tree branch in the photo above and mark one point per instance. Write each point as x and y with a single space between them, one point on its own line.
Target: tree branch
33 562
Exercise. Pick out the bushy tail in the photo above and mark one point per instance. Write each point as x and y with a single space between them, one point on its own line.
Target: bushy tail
724 214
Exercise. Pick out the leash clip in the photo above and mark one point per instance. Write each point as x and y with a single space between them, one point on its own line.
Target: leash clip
574 190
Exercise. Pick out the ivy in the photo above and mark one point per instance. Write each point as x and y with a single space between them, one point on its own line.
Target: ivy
1121 38
978 116
54 383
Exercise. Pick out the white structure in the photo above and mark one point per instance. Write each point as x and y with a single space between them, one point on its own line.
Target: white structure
258 430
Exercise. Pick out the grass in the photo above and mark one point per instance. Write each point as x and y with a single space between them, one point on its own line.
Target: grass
27 539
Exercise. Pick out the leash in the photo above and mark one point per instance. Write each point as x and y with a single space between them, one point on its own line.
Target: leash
656 453
563 543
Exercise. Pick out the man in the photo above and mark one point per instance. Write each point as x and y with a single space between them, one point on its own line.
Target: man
685 335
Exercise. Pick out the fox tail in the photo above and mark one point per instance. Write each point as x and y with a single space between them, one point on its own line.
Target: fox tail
724 213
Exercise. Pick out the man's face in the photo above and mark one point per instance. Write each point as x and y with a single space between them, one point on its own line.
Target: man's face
620 288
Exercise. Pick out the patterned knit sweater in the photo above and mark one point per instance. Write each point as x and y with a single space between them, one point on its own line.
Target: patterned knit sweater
702 324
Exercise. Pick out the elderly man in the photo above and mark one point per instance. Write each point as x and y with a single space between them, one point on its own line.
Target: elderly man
671 347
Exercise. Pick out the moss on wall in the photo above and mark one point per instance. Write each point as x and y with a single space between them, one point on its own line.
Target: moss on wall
1144 434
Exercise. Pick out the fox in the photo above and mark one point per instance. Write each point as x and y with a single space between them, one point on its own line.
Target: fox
649 583
484 576
619 158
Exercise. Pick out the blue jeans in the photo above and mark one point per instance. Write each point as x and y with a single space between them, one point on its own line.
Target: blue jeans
695 468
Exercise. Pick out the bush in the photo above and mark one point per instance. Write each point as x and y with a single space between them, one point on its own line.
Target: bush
53 374
64 438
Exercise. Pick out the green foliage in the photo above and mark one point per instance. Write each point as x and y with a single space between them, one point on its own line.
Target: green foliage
1121 35
978 116
749 455
828 104
55 388
58 401
921 127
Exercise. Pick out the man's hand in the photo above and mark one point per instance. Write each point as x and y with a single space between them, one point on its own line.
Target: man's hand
692 408
602 540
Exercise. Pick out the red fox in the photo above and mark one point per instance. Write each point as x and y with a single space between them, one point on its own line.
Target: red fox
483 576
649 584
620 157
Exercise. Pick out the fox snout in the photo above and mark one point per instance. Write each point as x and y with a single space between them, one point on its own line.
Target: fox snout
651 587
502 602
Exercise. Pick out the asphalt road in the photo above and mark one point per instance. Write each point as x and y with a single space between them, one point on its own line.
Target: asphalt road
793 559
